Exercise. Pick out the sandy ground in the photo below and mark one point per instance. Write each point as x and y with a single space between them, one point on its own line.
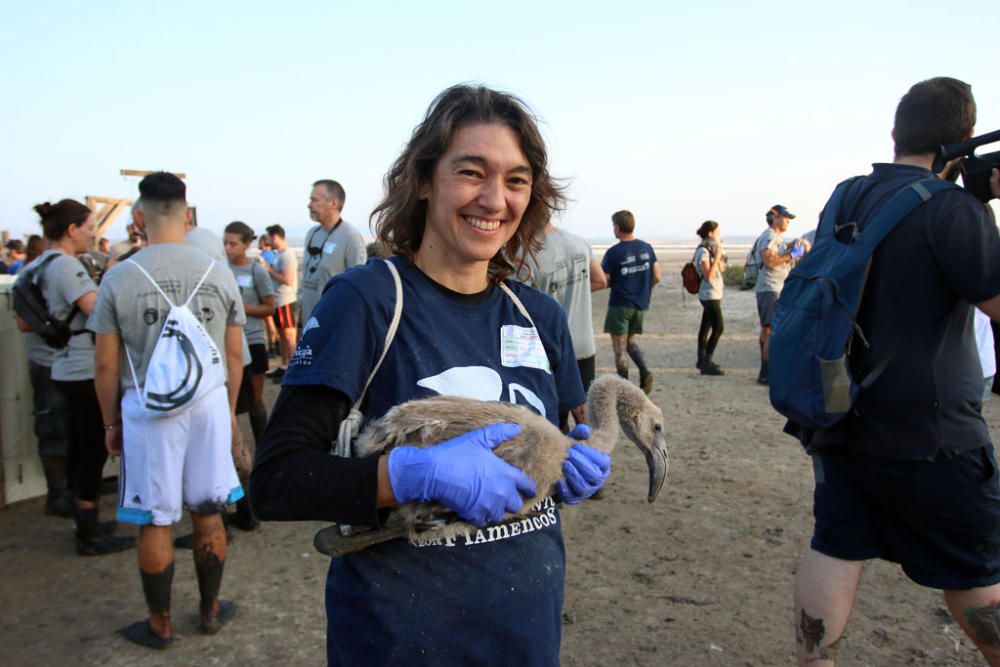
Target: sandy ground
701 577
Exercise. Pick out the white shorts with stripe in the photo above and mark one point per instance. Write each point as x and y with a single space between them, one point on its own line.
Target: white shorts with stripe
170 463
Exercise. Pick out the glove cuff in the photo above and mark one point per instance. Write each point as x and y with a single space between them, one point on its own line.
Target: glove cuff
408 473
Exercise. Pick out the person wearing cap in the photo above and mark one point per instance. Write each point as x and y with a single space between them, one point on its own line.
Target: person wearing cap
775 257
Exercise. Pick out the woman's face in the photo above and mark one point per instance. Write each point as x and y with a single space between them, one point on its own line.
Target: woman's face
477 194
234 246
81 235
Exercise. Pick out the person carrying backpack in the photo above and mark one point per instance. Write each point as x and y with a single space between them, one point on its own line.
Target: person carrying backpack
908 474
168 363
67 295
709 262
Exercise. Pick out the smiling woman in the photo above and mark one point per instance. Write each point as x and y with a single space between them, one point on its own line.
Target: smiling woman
468 197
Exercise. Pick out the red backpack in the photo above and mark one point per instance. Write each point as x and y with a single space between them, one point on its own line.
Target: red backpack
689 275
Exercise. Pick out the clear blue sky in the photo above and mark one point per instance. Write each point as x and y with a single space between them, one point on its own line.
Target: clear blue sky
677 112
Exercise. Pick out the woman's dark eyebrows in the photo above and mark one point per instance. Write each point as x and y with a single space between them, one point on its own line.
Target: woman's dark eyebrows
481 161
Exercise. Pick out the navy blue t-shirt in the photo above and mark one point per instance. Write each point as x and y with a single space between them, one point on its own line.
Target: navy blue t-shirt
630 265
496 596
925 274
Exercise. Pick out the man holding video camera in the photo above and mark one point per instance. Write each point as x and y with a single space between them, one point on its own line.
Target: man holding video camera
910 475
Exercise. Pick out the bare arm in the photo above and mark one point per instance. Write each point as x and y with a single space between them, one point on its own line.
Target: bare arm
598 279
107 359
657 274
709 270
285 277
234 364
772 259
265 309
86 302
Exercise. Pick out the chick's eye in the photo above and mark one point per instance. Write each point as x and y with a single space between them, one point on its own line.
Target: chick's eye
657 427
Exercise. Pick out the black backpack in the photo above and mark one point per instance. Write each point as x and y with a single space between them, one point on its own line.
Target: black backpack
30 306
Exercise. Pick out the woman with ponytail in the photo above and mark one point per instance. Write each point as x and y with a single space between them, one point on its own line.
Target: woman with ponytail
70 293
709 262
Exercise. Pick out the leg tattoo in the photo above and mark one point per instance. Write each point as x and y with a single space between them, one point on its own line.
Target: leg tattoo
985 622
810 631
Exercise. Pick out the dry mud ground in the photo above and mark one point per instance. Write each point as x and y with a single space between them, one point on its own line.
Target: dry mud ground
701 577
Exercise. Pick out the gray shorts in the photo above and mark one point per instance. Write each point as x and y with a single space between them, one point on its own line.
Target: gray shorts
766 302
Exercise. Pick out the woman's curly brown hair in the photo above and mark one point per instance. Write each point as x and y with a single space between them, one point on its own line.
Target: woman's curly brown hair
400 217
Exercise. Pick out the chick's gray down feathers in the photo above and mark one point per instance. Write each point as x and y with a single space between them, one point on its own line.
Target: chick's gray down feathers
613 405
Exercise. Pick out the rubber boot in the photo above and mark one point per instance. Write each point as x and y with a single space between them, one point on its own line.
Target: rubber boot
762 376
59 501
92 541
243 517
709 367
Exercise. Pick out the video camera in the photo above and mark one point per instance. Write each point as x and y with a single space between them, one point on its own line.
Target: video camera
975 169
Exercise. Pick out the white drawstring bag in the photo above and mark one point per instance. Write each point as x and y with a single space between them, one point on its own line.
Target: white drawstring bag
185 364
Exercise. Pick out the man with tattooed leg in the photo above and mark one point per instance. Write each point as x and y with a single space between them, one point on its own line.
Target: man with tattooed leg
910 475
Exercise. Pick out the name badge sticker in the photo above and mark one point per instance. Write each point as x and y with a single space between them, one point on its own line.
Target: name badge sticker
244 280
521 346
328 247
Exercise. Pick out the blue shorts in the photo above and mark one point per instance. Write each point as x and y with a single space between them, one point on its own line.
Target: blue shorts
940 520
766 303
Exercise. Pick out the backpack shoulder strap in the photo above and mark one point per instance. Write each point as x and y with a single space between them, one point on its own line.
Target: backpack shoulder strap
899 207
351 424
390 334
198 286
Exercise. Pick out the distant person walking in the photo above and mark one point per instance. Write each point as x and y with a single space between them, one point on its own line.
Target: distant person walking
284 273
775 258
566 270
631 270
171 461
332 246
709 262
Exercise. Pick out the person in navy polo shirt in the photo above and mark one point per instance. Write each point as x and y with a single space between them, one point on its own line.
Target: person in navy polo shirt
631 268
469 195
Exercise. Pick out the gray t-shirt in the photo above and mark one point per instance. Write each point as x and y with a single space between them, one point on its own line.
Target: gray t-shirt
66 280
771 280
710 290
130 306
254 285
286 293
562 270
333 252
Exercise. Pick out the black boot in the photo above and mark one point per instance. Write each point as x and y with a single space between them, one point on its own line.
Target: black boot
709 367
92 541
243 517
59 501
762 376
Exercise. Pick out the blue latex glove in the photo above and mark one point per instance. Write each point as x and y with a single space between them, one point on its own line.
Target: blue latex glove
797 251
464 474
584 471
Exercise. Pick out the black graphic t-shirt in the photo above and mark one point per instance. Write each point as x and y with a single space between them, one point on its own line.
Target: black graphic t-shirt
494 597
630 267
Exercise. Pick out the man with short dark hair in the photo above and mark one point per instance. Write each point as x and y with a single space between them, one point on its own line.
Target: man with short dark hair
909 475
181 460
631 270
332 246
775 258
284 272
15 256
